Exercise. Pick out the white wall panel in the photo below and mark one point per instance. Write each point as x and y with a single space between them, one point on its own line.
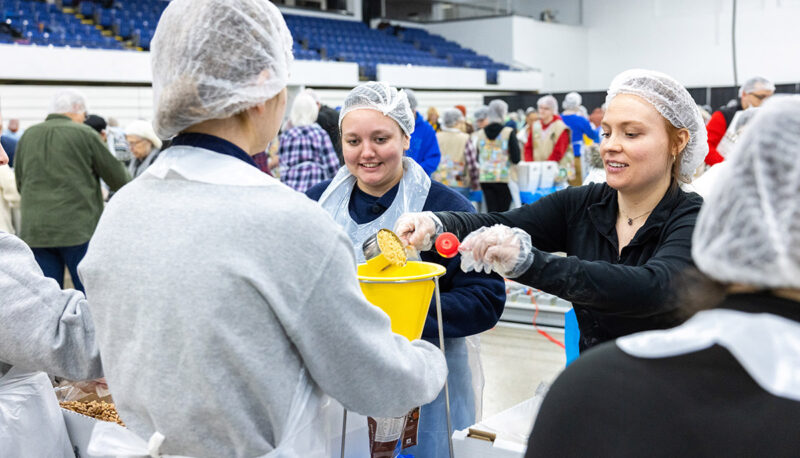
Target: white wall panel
558 50
519 81
26 62
31 104
330 74
432 77
491 37
691 40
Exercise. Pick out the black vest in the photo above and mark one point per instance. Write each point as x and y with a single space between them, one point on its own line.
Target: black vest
729 112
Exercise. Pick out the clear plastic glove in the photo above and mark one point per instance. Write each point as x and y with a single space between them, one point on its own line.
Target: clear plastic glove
497 248
418 229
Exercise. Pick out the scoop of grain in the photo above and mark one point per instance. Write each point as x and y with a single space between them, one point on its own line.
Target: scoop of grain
391 247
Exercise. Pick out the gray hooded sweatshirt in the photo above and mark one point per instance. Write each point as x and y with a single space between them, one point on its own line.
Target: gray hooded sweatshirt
43 327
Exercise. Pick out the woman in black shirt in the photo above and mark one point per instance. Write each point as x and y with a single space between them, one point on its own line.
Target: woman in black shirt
626 240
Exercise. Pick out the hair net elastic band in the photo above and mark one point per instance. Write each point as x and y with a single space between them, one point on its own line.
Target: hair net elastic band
382 98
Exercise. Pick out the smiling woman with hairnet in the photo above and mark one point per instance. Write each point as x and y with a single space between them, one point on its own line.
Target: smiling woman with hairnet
727 382
376 186
626 240
247 307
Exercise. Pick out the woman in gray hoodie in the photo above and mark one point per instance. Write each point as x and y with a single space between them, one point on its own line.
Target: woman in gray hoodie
224 328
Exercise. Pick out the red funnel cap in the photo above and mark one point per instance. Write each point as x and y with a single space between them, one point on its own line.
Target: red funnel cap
447 245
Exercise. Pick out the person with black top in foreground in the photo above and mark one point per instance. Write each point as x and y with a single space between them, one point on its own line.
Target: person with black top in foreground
727 382
626 240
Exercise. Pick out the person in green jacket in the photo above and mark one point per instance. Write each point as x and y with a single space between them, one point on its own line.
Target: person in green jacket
58 167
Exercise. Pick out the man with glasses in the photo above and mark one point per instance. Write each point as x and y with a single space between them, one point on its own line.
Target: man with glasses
751 94
57 166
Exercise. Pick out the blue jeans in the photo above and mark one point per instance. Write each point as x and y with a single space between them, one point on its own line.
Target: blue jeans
53 260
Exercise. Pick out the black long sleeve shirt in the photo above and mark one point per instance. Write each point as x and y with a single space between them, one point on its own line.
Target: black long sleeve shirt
613 294
699 404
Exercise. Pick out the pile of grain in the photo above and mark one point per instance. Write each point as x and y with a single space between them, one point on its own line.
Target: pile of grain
96 409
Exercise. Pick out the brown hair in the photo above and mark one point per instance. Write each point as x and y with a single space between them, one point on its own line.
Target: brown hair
673 134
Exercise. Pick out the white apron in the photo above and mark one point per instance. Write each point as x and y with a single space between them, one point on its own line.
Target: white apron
411 196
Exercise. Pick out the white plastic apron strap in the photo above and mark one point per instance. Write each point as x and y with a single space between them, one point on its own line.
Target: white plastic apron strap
199 164
476 371
411 196
767 346
305 433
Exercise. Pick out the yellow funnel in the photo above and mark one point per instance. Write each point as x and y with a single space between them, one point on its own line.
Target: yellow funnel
404 293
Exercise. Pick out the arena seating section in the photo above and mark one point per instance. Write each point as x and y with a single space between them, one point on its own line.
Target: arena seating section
130 24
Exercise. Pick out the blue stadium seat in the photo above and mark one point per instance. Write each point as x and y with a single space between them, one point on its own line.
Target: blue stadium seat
86 9
41 23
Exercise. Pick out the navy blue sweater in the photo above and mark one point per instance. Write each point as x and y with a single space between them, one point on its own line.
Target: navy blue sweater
471 302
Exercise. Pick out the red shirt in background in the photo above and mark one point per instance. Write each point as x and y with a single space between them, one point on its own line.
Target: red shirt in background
716 128
559 149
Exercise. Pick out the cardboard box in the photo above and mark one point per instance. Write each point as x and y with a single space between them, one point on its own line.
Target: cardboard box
504 435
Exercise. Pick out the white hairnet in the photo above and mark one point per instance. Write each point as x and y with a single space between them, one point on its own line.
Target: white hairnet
143 129
380 97
481 113
572 101
745 116
497 110
756 83
412 99
68 101
313 94
674 103
548 101
530 110
215 58
304 110
451 117
748 230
